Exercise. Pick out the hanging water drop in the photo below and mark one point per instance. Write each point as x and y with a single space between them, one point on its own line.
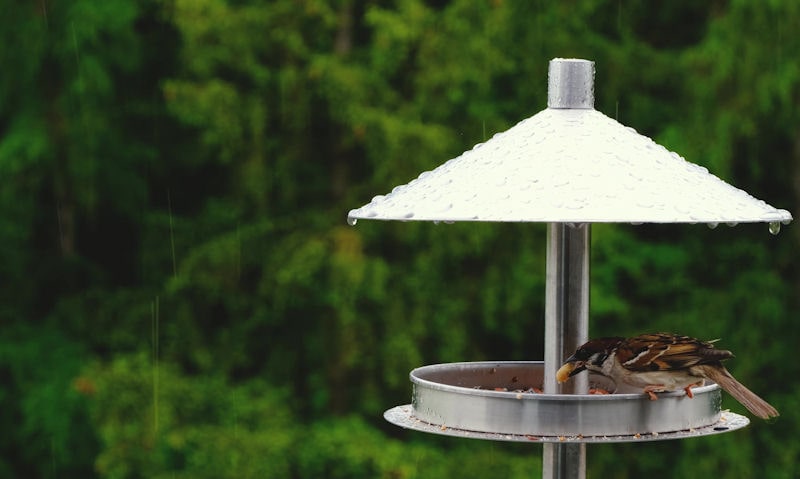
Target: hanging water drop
713 225
351 220
774 227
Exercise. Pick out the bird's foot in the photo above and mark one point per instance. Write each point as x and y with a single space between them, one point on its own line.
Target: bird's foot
652 389
688 388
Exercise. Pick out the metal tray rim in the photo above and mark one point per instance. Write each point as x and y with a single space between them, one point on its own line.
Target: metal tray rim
415 379
463 396
403 416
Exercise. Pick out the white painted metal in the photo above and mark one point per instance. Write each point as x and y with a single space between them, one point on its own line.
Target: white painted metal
570 164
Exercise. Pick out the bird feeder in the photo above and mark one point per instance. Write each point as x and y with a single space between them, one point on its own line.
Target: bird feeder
568 166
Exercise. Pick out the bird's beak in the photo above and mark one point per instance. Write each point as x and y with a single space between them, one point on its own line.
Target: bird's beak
569 369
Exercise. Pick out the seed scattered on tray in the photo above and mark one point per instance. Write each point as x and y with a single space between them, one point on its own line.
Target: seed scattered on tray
534 390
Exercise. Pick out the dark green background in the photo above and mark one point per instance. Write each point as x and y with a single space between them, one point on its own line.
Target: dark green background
180 294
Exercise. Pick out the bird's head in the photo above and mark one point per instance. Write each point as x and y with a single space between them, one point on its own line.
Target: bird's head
589 356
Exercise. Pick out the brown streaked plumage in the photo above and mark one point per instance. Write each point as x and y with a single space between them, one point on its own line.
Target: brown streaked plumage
662 362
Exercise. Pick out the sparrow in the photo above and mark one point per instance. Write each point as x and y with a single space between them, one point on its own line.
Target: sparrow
662 362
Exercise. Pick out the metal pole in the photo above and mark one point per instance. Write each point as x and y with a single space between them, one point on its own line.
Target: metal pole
566 328
570 85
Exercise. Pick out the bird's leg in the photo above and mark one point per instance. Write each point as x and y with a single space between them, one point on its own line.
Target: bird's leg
688 388
652 389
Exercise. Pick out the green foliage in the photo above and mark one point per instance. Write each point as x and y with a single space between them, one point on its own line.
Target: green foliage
44 415
183 298
349 447
154 421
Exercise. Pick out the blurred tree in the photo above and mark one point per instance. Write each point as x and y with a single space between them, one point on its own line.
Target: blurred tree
75 185
155 422
45 422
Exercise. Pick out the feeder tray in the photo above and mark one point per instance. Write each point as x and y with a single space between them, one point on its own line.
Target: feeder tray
488 400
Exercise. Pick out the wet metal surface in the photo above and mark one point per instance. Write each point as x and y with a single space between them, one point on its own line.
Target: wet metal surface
403 416
492 397
570 166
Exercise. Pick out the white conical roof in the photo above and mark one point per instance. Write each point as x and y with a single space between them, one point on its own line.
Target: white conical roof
570 165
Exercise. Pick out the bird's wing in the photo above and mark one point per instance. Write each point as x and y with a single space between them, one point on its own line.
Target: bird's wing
665 352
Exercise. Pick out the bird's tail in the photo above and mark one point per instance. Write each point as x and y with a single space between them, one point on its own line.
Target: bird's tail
748 398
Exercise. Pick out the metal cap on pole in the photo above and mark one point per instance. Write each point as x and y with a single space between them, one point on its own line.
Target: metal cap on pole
570 84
